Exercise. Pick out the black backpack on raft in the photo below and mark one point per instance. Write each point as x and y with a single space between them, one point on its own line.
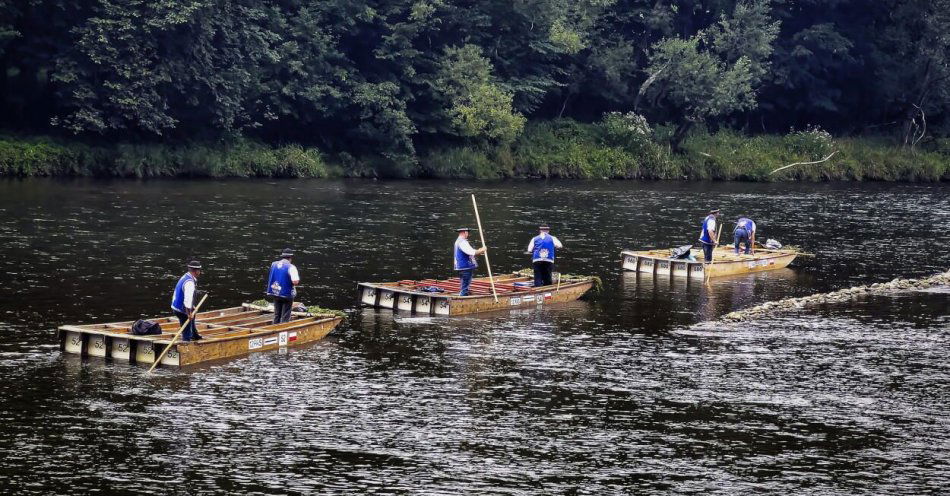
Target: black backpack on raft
146 327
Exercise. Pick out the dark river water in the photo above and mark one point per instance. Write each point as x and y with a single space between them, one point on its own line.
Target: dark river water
621 393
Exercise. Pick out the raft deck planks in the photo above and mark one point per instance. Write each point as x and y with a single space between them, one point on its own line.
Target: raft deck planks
227 333
406 295
725 262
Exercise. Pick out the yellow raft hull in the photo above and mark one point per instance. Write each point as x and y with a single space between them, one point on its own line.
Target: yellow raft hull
406 296
227 333
725 262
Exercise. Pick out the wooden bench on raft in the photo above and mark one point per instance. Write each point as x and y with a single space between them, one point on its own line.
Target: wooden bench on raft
454 284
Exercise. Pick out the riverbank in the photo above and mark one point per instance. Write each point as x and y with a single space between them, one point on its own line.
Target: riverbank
611 149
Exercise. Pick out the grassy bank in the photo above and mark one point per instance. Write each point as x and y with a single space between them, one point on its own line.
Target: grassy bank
42 156
618 150
619 147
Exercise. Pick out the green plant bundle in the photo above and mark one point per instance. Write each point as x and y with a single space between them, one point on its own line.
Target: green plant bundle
318 310
569 278
598 286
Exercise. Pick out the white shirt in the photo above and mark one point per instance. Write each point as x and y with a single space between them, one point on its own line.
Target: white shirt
294 275
557 242
711 227
464 245
189 292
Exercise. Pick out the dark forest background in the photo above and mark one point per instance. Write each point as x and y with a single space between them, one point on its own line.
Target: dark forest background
398 77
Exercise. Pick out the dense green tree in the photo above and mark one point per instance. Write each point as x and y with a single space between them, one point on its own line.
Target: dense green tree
816 64
478 107
8 14
392 77
713 73
913 63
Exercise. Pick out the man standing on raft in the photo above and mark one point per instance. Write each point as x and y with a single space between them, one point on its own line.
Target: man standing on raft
282 285
708 235
744 233
465 262
542 248
183 300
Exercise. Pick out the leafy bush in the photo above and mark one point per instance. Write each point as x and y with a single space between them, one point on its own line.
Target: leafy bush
629 130
464 162
41 157
813 143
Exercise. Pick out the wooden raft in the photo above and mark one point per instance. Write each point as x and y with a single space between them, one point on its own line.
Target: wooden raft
227 333
725 262
409 295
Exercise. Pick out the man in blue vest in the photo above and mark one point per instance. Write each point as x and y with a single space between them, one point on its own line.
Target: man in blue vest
183 300
744 233
464 256
543 248
708 236
282 285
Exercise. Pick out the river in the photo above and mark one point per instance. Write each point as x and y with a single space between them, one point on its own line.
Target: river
617 393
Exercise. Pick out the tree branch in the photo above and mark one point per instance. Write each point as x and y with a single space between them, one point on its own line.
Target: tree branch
805 163
646 85
923 129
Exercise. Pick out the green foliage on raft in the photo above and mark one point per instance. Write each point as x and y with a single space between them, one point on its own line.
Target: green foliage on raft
318 310
597 287
313 309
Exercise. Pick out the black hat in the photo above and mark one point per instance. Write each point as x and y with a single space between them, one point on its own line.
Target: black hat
463 229
715 211
194 264
287 253
544 227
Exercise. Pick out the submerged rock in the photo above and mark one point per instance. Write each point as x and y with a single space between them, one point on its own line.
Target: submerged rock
789 304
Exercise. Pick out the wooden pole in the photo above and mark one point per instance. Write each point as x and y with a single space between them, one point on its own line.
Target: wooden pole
558 290
481 233
159 358
709 264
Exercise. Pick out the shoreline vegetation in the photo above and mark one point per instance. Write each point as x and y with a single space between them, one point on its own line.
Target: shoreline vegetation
638 89
620 146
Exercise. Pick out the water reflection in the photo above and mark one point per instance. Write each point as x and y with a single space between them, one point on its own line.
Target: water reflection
669 301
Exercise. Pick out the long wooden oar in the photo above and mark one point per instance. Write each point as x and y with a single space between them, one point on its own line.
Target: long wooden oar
709 265
159 358
487 263
752 241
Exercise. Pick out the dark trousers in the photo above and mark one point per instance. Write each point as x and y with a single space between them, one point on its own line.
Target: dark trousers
466 277
190 333
708 252
542 273
742 236
282 309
